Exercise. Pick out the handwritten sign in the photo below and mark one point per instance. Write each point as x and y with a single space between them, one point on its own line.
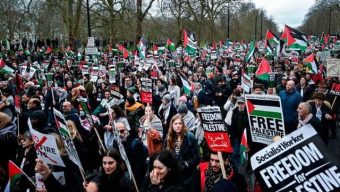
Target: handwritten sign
214 129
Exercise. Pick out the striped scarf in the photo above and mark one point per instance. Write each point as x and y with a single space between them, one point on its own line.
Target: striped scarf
303 122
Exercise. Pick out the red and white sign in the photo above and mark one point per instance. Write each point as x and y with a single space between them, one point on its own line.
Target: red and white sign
214 129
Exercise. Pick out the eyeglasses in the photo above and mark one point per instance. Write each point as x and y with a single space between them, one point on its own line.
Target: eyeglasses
121 131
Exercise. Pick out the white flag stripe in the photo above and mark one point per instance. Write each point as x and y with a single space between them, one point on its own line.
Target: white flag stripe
267 108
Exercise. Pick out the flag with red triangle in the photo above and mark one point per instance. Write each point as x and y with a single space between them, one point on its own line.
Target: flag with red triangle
14 174
170 45
244 147
48 50
310 64
124 51
19 83
189 42
295 39
263 70
2 63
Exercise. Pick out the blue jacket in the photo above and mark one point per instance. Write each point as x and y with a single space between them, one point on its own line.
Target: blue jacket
290 102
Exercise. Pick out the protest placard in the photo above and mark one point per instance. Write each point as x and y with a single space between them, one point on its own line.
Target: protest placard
333 67
46 147
298 162
67 139
146 93
214 129
265 117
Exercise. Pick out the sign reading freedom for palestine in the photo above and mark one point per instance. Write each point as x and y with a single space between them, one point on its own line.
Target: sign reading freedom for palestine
265 118
214 129
298 162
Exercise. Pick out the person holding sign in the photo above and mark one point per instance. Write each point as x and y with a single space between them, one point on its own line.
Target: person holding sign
184 145
211 173
321 110
69 174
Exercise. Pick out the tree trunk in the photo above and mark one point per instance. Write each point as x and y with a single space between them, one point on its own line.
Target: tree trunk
139 22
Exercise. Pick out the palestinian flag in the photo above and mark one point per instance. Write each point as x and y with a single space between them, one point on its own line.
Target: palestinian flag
250 52
155 49
170 45
48 50
245 82
244 147
19 83
295 39
142 47
186 84
14 173
274 43
2 63
271 38
268 49
263 70
189 42
311 64
123 50
264 108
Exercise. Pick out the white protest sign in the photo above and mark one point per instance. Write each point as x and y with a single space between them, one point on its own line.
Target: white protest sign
333 67
265 117
298 162
46 147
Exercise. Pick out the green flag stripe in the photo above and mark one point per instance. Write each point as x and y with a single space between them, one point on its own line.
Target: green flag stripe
267 114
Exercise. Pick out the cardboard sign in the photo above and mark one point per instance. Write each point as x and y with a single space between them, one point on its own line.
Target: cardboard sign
298 162
333 67
66 137
214 129
265 117
146 93
335 90
46 147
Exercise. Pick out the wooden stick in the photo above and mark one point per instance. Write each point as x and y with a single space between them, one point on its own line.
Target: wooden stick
18 123
83 175
222 164
334 102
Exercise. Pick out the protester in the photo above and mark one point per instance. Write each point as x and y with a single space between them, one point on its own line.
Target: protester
163 173
151 131
290 100
321 110
184 145
113 176
8 144
26 160
211 174
306 117
166 111
135 151
73 181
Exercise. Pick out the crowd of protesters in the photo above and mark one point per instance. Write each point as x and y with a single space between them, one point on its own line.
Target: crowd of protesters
164 141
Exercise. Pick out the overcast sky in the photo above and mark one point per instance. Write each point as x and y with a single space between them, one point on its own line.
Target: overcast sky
290 12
